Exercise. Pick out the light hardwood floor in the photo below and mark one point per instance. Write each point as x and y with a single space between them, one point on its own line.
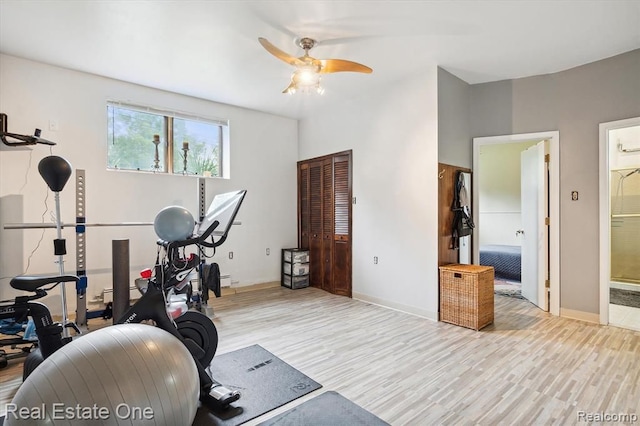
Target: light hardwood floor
527 368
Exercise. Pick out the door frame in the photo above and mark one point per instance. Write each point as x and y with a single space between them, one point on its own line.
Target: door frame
554 201
605 209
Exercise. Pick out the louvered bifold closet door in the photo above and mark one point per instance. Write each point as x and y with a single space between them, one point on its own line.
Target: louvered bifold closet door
342 226
315 222
324 220
304 221
327 225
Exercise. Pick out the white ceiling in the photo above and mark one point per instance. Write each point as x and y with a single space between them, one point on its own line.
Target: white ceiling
209 49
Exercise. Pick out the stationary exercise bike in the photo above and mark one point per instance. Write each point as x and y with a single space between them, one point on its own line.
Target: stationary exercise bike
15 313
51 336
194 329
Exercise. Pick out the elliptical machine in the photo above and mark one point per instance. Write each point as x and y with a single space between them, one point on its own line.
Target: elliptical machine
194 329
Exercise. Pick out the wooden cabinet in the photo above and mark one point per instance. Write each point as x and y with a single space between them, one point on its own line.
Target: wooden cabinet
324 220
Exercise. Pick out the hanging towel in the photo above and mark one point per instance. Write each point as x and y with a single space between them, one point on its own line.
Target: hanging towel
210 280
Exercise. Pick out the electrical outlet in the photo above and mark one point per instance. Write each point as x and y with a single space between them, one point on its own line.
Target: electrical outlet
230 255
375 260
574 195
268 251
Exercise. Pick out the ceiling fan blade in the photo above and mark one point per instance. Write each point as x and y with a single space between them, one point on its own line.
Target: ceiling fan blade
341 65
291 60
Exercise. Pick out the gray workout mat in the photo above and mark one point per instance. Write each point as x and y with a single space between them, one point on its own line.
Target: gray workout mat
265 381
327 409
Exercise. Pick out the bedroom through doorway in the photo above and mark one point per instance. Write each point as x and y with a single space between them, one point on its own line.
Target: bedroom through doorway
511 216
500 213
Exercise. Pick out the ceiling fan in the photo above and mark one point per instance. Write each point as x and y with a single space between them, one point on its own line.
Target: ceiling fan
306 77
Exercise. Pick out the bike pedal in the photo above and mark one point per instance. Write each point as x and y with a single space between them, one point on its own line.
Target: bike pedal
219 398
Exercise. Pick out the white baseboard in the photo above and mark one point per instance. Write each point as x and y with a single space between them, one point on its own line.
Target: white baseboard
580 315
396 306
251 287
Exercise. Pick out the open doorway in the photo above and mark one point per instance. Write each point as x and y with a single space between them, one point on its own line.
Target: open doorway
620 223
500 221
501 235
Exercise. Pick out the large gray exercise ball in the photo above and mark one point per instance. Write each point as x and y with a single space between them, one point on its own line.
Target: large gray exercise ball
127 374
174 223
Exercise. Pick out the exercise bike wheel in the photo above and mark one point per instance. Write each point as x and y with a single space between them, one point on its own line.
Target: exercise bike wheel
197 329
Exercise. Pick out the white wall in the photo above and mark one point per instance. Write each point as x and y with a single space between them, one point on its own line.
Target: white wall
454 136
394 137
499 189
263 161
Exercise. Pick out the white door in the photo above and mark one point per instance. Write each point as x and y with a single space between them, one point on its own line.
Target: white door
533 195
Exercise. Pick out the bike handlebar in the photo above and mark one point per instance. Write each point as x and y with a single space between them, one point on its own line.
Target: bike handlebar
199 240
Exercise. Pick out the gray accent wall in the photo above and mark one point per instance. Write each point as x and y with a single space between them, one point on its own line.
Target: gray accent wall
574 102
454 138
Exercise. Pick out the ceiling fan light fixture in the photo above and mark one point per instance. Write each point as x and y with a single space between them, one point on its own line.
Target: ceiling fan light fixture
306 77
291 89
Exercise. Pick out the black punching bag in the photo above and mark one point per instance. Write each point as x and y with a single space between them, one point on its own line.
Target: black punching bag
55 171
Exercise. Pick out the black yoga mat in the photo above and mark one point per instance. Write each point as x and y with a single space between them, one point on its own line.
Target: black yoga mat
328 409
265 381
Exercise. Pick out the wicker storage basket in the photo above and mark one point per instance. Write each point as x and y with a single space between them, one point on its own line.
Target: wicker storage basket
466 295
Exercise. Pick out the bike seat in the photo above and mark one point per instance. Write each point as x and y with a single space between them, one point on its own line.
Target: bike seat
34 282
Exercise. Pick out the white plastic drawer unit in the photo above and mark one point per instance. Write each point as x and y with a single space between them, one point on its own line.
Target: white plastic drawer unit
296 256
296 269
295 282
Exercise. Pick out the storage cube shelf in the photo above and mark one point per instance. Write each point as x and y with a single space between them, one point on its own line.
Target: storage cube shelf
295 268
466 295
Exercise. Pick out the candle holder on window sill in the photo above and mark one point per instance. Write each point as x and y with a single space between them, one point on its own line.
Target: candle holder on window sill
156 158
185 150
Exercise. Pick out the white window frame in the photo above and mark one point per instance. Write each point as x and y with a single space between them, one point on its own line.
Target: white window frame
167 139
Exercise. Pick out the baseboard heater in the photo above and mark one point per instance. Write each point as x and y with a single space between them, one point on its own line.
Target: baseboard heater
225 280
107 293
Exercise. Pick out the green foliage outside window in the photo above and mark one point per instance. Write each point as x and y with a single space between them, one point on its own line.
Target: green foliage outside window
130 143
130 135
204 140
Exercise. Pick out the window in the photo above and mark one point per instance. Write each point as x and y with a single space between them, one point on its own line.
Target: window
145 139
